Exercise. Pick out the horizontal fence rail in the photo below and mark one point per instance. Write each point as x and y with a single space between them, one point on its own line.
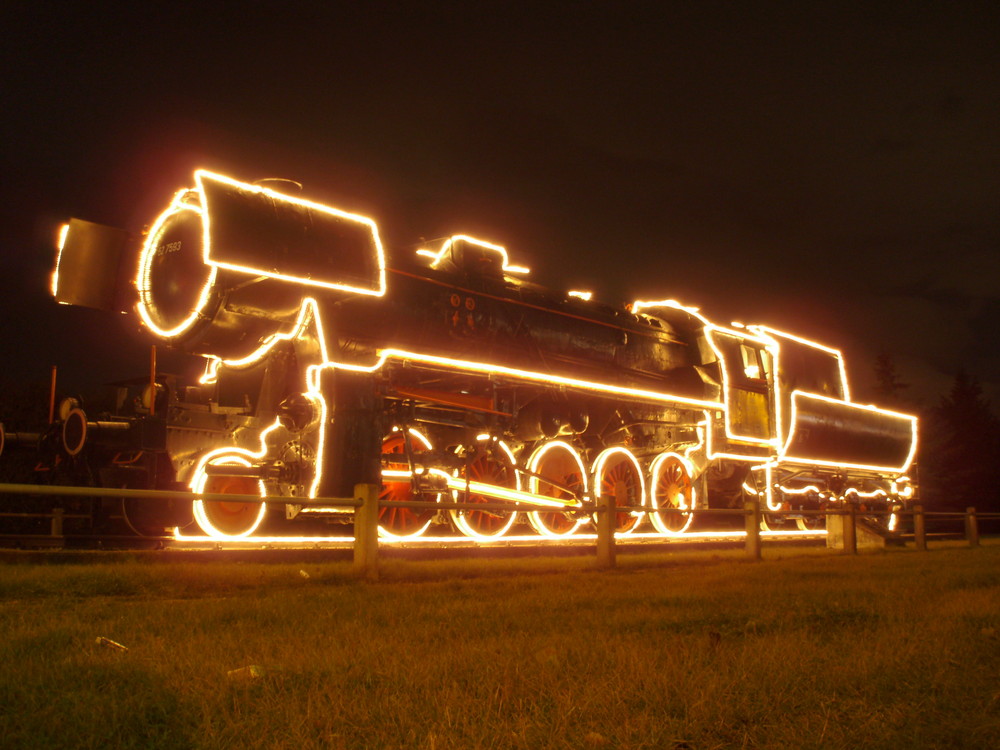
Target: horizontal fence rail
366 505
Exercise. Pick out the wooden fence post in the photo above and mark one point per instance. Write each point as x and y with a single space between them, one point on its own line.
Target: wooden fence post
57 521
850 530
919 528
366 531
752 509
971 527
606 533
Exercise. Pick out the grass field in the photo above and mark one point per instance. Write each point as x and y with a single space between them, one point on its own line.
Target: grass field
690 650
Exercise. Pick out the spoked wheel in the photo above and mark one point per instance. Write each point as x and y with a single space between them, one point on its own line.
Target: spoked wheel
143 518
402 523
228 519
492 463
617 475
559 463
151 519
671 489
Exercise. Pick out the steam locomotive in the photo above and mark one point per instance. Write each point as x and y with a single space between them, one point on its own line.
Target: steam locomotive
446 374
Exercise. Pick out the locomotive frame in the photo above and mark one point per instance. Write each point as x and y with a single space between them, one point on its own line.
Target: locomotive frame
330 363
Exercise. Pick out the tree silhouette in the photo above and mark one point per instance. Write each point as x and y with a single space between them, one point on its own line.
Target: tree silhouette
889 388
960 455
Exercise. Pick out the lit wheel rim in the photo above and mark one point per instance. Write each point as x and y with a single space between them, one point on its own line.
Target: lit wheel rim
496 466
74 432
402 523
225 520
671 488
616 475
559 462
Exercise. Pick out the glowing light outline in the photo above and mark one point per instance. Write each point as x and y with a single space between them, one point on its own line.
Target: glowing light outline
179 536
313 380
710 331
383 355
180 203
829 496
483 367
385 533
769 333
439 255
654 470
458 517
585 296
774 335
707 440
710 328
534 517
797 394
458 484
308 312
598 467
770 338
198 506
60 244
201 174
142 281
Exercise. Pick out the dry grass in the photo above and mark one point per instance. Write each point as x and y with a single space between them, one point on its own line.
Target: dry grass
888 650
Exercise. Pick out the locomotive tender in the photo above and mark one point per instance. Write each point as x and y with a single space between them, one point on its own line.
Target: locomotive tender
330 363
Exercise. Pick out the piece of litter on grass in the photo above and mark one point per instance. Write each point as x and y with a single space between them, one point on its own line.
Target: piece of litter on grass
253 672
102 641
303 574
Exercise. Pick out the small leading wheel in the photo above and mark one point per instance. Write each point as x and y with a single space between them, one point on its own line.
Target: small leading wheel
559 463
671 488
617 476
146 519
402 523
222 519
142 517
490 463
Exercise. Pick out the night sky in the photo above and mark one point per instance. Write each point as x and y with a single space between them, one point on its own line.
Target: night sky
829 171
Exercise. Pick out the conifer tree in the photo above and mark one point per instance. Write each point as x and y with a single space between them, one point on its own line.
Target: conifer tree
889 387
960 457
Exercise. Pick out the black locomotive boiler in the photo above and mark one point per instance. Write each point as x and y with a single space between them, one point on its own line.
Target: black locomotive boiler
446 373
